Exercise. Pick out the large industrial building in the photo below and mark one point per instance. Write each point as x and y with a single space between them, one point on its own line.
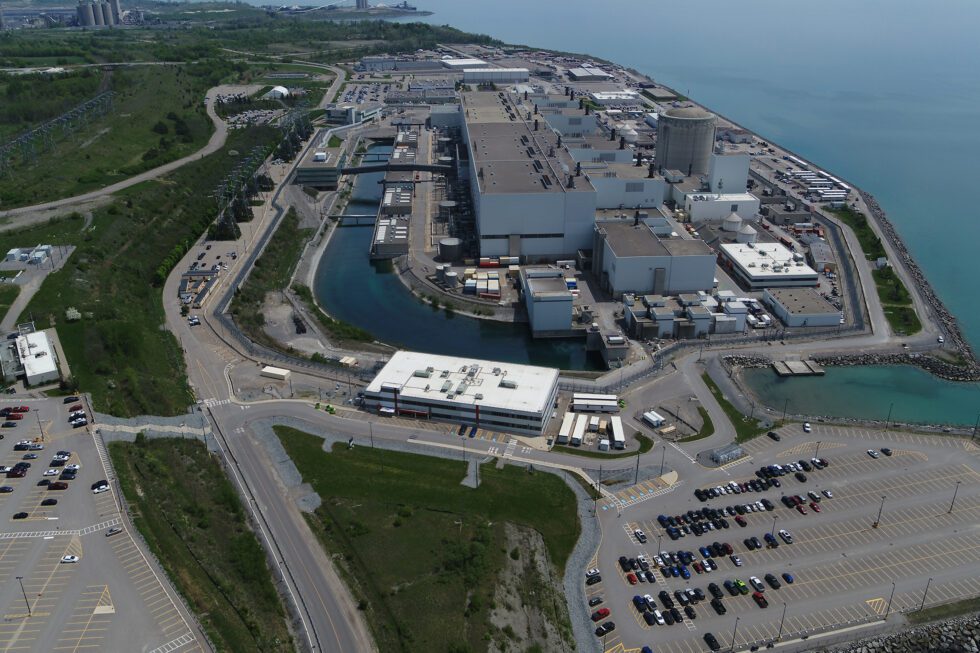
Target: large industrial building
801 307
548 301
483 394
685 138
628 257
766 265
321 166
529 199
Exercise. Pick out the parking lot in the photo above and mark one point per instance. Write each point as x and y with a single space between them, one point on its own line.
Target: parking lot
849 566
72 577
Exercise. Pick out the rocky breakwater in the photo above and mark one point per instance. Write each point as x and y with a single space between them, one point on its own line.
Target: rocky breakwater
934 366
736 361
953 636
946 319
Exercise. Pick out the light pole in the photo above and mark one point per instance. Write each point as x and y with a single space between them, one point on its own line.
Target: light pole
663 457
781 619
37 414
817 452
20 579
953 502
734 633
925 594
975 428
785 406
636 474
878 518
889 418
773 532
889 608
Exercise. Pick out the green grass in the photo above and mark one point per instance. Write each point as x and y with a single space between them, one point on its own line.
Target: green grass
707 428
646 444
191 517
745 428
158 116
896 302
271 273
8 293
343 331
30 100
421 552
118 351
945 611
335 141
858 222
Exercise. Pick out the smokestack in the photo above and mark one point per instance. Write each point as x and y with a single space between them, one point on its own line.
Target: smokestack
622 142
636 218
578 168
650 171
535 124
612 134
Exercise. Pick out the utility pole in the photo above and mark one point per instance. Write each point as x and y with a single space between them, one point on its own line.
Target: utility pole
925 594
878 518
889 608
781 619
953 502
734 633
20 579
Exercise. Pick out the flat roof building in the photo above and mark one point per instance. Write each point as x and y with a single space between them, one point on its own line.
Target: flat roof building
32 356
587 73
766 265
320 167
628 257
801 307
495 75
548 300
483 394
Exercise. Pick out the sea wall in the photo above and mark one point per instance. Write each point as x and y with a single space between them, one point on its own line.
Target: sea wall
934 366
953 636
945 318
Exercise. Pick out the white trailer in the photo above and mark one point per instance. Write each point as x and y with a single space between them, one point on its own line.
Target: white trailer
595 406
618 436
594 424
586 396
565 431
654 419
580 425
274 373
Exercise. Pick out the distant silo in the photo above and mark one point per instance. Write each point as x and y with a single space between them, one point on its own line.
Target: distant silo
86 17
97 11
106 13
684 140
116 12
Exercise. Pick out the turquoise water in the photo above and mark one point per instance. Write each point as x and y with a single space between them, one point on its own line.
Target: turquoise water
368 294
884 93
911 394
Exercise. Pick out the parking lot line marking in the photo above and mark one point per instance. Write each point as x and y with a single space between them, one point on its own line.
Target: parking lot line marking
877 605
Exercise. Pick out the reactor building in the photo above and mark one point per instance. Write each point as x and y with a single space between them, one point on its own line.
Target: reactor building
685 138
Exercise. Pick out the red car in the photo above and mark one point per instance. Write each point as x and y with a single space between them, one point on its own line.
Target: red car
631 578
20 409
15 416
760 600
800 509
600 614
74 408
815 506
740 520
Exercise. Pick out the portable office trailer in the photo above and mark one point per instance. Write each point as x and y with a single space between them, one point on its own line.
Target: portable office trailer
654 419
595 406
580 425
618 436
274 373
567 423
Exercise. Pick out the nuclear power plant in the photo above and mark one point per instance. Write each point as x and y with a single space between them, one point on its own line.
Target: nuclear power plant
685 137
98 14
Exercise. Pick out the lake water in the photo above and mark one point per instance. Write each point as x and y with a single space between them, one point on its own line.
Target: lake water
884 93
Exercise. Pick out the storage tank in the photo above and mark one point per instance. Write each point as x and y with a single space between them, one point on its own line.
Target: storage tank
446 209
452 279
732 223
441 272
106 13
450 249
97 11
746 234
685 137
116 12
86 17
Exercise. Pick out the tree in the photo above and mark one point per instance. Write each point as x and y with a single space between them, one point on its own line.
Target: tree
161 128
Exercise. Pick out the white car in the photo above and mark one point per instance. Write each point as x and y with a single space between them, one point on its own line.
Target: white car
786 535
873 453
828 494
659 617
736 560
940 340
69 559
51 472
100 489
589 574
806 427
72 468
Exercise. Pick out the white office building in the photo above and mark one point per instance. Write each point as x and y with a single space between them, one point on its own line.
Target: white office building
766 265
714 207
477 393
728 173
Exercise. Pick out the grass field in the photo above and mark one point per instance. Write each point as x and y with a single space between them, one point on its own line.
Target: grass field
157 116
945 611
745 428
707 428
421 552
118 351
858 222
8 293
190 515
33 99
896 302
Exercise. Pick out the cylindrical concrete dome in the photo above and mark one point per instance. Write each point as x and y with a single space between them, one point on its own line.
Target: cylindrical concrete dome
685 137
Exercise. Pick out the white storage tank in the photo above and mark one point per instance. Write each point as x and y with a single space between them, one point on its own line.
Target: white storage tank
732 223
746 234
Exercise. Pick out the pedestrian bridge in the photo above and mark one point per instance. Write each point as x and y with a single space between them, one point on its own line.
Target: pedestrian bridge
398 167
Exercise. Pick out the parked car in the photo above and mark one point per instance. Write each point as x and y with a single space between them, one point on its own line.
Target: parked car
872 453
600 614
712 642
760 599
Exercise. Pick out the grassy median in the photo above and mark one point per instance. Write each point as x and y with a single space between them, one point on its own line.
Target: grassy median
746 428
191 517
423 554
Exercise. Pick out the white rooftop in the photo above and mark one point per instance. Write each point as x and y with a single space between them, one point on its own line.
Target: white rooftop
35 355
463 63
531 391
766 260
